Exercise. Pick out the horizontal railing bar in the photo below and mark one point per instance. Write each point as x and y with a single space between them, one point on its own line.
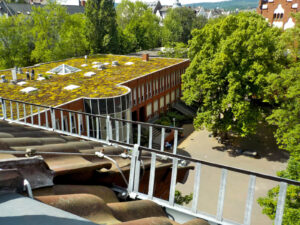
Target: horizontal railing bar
221 166
100 116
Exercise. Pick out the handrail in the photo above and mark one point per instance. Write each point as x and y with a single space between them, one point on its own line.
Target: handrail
90 114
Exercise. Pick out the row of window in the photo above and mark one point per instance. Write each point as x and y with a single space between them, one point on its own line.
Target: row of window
154 87
108 105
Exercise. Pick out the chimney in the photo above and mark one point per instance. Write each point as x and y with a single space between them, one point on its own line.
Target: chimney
145 57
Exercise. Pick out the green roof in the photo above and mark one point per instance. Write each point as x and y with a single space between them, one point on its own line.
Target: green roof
104 83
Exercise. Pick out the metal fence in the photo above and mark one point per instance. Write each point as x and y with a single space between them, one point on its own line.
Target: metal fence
88 126
192 210
140 137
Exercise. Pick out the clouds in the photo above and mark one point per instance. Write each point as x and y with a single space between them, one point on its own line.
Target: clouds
170 2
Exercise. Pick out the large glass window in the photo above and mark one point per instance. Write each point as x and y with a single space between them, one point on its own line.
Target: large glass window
110 106
123 102
87 106
102 106
95 109
118 104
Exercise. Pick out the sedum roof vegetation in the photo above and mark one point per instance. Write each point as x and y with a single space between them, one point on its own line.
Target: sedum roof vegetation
51 91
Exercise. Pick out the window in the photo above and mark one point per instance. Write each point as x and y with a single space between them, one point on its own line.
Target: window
134 96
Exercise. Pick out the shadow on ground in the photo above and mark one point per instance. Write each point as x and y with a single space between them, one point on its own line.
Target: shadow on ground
263 142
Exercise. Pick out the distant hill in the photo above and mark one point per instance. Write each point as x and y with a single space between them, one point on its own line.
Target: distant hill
228 5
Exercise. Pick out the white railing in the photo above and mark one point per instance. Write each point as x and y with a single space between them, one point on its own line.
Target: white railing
79 124
85 125
192 210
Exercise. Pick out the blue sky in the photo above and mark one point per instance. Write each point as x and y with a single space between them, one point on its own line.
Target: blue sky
170 2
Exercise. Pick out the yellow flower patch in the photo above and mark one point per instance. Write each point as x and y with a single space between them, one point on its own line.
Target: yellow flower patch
104 84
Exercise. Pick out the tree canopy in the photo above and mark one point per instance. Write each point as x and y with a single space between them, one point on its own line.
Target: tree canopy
139 28
179 23
101 26
231 60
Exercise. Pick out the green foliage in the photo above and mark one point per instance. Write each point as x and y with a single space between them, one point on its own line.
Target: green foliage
179 199
57 35
231 60
101 26
167 119
47 24
179 23
16 41
291 39
175 50
292 203
285 90
138 28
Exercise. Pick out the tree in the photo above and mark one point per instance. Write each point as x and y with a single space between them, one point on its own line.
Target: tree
16 41
73 42
47 26
179 23
285 89
231 60
101 26
138 27
291 39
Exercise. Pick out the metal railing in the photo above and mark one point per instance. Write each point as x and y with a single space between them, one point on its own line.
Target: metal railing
45 117
88 126
133 187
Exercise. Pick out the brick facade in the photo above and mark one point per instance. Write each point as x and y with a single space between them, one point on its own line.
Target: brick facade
278 12
156 91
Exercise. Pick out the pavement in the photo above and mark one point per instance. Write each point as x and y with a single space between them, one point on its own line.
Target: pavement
199 145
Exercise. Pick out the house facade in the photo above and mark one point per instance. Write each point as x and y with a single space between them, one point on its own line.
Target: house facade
278 12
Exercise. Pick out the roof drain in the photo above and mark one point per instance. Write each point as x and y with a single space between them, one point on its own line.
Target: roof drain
27 187
101 155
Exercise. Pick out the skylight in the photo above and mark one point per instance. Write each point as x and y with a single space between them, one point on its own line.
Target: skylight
64 70
89 74
71 87
28 90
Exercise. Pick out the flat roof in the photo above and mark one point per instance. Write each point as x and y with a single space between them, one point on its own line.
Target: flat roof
104 83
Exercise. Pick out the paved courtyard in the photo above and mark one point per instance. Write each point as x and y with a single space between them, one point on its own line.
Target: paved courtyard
199 145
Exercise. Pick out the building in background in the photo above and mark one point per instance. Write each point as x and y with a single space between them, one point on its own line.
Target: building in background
278 12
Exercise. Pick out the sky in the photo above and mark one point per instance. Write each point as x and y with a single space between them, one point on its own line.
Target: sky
170 2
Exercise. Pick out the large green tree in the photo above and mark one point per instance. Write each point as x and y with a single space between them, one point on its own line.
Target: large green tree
47 24
231 61
57 35
101 26
285 90
16 41
139 28
179 23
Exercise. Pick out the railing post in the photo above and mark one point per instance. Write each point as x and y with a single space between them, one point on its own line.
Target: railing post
134 158
52 113
280 203
196 188
139 134
221 195
108 128
249 203
162 141
3 107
